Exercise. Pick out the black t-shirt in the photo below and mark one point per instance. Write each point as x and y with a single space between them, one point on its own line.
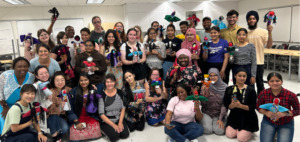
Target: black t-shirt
174 45
63 67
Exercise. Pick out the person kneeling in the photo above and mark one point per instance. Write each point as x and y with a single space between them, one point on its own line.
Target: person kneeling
17 125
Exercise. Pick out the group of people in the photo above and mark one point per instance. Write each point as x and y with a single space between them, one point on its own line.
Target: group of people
111 83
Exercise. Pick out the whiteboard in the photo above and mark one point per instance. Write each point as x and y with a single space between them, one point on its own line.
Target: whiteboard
32 26
295 24
6 36
281 30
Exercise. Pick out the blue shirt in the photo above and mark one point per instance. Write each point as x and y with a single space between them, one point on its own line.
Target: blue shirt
216 51
53 66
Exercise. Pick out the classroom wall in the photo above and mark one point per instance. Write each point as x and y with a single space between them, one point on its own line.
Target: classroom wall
246 5
144 13
108 14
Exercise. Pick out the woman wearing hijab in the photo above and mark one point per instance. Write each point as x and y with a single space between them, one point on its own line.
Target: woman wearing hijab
214 111
192 44
183 72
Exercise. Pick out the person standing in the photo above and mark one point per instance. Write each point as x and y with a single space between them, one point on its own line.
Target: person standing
229 34
260 38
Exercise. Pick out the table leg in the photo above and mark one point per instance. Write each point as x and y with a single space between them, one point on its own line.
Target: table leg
268 55
274 62
290 67
299 70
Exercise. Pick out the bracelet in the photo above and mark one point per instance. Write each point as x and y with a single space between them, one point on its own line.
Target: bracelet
40 133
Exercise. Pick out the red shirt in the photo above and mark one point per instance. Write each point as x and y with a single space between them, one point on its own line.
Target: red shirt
287 99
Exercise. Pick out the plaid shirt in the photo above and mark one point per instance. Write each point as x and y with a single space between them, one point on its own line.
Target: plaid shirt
287 99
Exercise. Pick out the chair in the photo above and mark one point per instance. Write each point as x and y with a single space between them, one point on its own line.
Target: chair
5 57
295 60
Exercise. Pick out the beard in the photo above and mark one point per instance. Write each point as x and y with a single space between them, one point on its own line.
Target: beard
252 27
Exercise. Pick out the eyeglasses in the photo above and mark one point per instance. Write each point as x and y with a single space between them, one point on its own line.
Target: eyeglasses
213 75
96 22
152 33
155 74
89 45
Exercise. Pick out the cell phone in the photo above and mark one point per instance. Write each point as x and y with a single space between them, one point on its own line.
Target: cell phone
83 125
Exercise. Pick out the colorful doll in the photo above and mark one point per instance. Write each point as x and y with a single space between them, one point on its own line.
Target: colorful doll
92 107
136 55
194 19
274 107
156 83
54 12
65 98
113 57
269 17
206 81
89 63
219 23
205 44
172 17
231 50
195 97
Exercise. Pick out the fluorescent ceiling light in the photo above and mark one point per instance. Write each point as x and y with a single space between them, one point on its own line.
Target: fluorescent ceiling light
94 1
175 0
17 2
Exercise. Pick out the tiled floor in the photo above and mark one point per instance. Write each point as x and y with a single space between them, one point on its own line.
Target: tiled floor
156 134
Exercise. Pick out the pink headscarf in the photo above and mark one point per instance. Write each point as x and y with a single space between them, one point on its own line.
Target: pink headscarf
185 52
188 45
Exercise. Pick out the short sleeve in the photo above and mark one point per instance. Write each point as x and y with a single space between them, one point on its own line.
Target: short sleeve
265 36
225 46
123 47
101 106
14 115
172 103
56 65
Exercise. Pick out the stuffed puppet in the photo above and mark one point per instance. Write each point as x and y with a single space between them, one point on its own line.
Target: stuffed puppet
172 17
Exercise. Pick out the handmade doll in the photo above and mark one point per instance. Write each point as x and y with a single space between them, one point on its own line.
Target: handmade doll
172 17
114 57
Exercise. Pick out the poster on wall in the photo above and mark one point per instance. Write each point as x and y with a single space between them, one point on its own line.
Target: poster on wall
6 37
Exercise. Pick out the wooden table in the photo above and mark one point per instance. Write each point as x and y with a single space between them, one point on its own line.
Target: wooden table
282 52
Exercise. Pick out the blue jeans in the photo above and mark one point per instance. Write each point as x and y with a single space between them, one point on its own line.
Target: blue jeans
56 123
285 133
166 65
181 132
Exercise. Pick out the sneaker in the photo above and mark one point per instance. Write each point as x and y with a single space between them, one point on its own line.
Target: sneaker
194 140
171 140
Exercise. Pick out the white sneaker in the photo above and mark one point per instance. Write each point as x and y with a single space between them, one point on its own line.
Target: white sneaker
194 140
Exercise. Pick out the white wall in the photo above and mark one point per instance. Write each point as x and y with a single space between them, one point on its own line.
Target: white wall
108 14
143 14
246 5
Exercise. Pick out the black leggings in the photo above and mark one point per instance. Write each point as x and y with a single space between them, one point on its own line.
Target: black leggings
139 125
112 134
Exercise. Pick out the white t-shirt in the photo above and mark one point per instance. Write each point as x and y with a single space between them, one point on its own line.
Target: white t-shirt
183 111
123 47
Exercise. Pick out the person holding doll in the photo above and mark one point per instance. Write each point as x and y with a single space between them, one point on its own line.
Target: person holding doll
61 52
214 111
192 44
84 111
134 100
181 115
119 28
17 124
156 99
92 63
133 56
241 100
183 72
216 56
155 51
60 103
113 56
